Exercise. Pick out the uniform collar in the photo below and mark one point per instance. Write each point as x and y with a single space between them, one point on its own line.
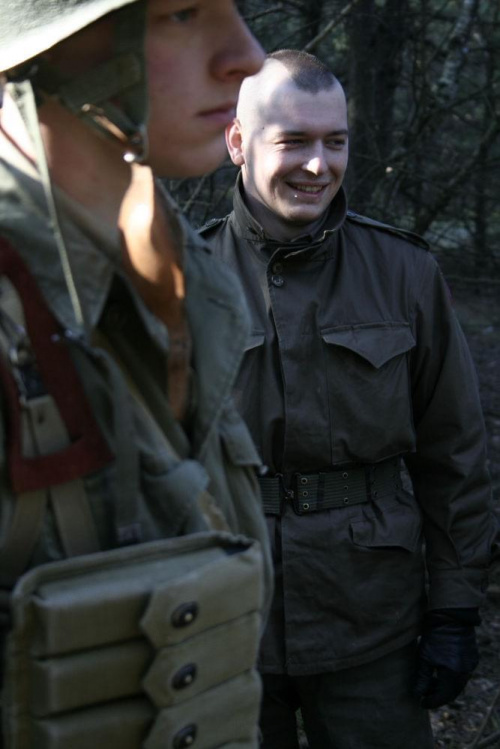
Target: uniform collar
255 233
93 244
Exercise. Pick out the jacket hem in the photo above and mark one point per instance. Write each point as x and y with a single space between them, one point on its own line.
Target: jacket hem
339 664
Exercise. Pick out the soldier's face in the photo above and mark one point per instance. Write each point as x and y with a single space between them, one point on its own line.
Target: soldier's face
293 156
198 52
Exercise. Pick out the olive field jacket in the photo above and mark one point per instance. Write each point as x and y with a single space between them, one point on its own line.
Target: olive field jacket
214 446
355 356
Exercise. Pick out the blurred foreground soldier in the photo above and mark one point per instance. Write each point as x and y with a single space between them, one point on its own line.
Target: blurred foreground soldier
129 508
355 363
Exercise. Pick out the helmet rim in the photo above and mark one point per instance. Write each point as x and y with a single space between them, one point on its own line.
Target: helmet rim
41 24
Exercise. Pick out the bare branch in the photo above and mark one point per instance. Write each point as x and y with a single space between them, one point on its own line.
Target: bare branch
330 26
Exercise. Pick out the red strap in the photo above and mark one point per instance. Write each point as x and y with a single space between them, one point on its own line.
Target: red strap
88 451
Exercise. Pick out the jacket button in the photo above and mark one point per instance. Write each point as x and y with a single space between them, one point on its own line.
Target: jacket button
303 480
185 737
305 505
184 676
184 615
277 280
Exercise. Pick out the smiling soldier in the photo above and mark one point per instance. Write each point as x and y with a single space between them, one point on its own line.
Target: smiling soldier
128 488
355 363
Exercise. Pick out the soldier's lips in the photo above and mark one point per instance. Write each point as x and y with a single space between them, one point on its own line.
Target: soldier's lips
221 115
309 191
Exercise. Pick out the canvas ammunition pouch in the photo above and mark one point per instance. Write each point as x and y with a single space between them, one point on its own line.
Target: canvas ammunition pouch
149 645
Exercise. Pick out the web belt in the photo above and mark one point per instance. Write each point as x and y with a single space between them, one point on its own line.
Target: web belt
326 490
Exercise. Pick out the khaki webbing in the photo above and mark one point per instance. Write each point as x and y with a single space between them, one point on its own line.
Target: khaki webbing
43 433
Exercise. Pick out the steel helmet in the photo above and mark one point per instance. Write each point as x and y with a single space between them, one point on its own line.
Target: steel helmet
111 96
31 27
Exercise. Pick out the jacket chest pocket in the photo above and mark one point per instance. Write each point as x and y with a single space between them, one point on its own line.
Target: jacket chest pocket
369 393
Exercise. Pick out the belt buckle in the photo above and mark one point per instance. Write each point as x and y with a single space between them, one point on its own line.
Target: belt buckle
286 495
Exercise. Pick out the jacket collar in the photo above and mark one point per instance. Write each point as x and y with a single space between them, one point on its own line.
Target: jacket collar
253 232
92 244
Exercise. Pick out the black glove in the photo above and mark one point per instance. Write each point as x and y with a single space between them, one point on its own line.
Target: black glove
447 655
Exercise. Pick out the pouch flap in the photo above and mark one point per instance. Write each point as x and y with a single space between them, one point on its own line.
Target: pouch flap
376 343
215 718
192 604
98 599
179 672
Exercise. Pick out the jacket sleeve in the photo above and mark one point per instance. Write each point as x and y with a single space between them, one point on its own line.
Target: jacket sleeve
448 469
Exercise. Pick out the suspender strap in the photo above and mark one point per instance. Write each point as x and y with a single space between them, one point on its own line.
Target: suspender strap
327 490
53 439
87 450
43 431
69 500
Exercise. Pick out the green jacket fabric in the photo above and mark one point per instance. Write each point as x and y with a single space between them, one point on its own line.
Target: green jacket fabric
356 356
216 450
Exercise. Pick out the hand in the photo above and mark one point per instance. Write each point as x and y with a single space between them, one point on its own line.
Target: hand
447 656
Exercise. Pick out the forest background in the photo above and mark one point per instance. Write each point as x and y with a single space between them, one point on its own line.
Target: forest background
423 81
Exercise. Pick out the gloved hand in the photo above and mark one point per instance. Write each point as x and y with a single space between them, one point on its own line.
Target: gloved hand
447 655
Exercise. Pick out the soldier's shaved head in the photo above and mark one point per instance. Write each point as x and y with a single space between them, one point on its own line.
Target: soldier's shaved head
290 138
282 69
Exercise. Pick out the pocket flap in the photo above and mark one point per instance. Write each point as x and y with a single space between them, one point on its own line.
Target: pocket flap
400 529
376 343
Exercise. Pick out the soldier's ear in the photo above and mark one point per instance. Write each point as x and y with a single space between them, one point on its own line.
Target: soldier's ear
234 141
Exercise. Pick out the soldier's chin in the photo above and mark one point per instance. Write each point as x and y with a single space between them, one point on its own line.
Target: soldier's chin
304 219
189 162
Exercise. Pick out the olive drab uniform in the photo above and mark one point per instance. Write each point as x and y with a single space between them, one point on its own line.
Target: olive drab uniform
143 640
354 363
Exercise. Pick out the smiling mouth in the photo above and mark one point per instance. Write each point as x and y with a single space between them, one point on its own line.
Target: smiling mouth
311 189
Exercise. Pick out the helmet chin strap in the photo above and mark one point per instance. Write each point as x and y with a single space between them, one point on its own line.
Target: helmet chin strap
111 97
23 94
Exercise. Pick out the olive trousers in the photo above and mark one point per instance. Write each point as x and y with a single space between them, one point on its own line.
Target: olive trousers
367 707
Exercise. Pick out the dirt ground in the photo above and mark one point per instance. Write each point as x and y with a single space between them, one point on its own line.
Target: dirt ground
473 721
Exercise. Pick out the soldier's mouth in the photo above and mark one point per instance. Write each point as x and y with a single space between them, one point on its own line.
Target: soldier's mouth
310 189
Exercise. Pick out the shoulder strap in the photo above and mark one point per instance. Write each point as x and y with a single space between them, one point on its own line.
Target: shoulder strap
88 450
53 439
213 223
403 233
